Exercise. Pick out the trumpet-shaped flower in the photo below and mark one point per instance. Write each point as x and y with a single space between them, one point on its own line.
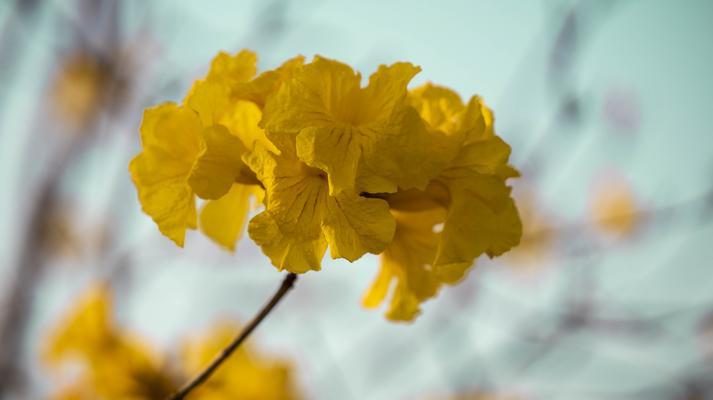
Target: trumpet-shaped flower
469 198
301 217
196 149
366 139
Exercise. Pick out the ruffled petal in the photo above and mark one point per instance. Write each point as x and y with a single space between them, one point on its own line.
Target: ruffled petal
386 91
317 95
289 230
210 100
335 150
481 219
170 135
242 121
408 260
233 70
258 89
218 164
354 225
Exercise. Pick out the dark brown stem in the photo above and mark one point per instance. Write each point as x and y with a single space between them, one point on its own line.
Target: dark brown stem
287 284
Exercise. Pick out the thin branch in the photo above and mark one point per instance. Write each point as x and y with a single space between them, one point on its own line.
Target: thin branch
287 284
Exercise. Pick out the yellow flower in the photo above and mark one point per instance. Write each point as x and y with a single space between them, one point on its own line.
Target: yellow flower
366 139
115 365
196 149
408 260
420 176
301 217
169 135
469 198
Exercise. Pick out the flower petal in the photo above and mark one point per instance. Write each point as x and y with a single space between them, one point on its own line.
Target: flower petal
355 225
289 230
242 121
334 150
233 70
171 143
218 164
481 219
317 95
408 259
210 100
223 220
268 82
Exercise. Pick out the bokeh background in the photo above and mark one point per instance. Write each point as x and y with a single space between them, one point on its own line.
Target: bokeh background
607 105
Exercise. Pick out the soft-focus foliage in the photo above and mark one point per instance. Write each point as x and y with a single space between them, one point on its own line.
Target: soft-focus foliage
110 363
371 169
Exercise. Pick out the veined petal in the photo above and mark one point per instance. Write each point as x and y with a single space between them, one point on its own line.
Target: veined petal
386 90
366 139
335 150
223 219
354 225
399 153
171 144
218 164
481 219
289 230
317 95
296 251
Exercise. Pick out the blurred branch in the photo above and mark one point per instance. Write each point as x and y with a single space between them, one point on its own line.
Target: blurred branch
19 302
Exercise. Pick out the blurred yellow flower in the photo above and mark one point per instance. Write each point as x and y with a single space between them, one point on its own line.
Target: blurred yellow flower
614 208
116 365
78 90
246 375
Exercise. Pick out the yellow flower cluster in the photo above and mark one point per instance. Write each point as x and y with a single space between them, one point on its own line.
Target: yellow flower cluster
416 176
113 364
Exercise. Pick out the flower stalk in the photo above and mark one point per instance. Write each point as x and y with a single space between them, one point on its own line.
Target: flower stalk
285 287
